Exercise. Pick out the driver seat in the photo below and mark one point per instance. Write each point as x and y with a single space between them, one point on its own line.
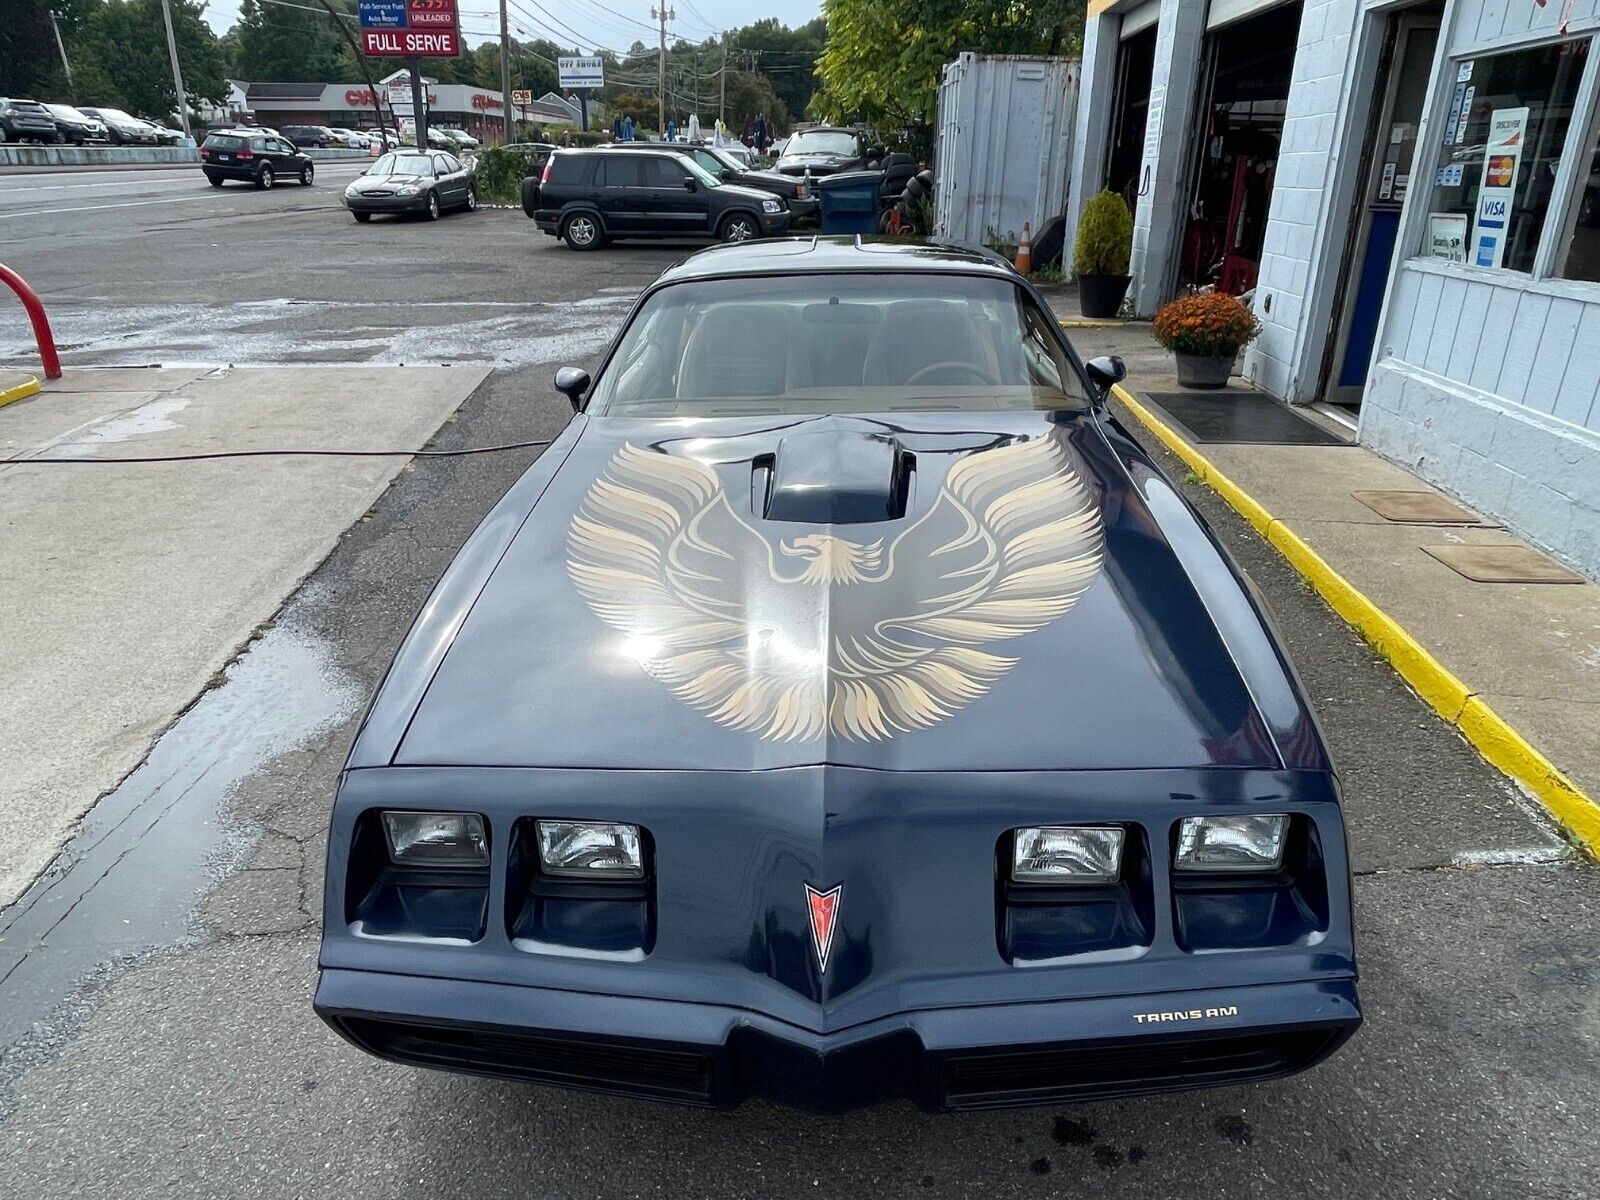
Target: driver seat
915 334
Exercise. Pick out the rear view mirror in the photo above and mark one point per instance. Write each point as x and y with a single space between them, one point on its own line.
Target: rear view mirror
573 382
689 185
1106 370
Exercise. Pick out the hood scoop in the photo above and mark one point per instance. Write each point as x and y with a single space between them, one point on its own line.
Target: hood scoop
834 477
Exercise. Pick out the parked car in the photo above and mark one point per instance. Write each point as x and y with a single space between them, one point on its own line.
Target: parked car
388 138
78 128
587 197
824 150
461 138
165 135
725 165
257 158
844 708
407 181
27 121
308 136
123 128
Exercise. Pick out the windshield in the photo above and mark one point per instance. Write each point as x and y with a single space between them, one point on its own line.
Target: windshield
66 113
402 164
838 343
821 141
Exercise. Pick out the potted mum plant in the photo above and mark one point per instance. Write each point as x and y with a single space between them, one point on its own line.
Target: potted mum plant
1100 254
1205 332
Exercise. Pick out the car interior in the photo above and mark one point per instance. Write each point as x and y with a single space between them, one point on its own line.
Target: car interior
697 350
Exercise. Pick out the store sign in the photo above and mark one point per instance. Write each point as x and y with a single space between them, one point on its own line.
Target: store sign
1502 156
1447 236
410 29
575 72
520 96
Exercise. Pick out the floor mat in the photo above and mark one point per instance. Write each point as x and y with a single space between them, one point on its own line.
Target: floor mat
1502 564
1239 416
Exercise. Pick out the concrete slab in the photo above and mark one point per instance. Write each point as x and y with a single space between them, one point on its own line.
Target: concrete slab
124 379
28 426
138 583
1312 483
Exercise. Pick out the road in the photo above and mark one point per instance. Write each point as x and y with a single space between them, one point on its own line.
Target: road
199 1070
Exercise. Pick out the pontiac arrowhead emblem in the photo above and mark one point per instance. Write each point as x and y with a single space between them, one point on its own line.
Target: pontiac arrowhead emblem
824 911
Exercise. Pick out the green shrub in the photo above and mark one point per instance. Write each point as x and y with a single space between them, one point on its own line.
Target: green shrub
500 174
1105 237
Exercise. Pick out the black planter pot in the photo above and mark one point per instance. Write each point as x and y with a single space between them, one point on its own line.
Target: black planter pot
1101 295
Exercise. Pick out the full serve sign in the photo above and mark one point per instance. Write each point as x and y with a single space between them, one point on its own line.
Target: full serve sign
410 29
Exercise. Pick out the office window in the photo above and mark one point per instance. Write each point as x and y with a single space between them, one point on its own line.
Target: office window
1502 134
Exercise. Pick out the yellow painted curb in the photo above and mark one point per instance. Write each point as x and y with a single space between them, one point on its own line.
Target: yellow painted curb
1499 744
1090 323
19 392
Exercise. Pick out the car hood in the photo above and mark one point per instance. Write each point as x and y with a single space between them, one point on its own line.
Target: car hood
794 164
711 594
367 182
749 193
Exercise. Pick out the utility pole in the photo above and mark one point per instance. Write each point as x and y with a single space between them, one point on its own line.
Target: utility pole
177 74
505 69
722 98
72 88
663 15
419 102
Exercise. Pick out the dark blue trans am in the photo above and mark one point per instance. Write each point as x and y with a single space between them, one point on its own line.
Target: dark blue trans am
843 708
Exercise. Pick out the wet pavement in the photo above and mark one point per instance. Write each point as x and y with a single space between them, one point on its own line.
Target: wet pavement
173 1051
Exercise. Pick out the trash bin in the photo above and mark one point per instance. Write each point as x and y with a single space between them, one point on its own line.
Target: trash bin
850 201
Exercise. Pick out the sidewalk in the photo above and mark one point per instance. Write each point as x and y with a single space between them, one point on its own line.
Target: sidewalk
126 589
1445 594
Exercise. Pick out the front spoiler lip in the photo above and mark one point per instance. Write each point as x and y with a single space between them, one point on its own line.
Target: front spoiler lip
895 1056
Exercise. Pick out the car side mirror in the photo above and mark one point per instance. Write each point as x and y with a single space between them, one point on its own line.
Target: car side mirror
573 382
1106 371
727 172
689 185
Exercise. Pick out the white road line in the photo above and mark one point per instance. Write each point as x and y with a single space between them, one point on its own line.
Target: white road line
186 181
47 212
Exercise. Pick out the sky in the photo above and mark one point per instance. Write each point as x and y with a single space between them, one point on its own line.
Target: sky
613 23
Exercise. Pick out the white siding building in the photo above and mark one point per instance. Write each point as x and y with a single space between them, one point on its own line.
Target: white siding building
1413 191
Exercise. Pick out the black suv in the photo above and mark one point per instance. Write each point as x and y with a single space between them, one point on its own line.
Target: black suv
257 158
26 121
304 136
796 193
587 197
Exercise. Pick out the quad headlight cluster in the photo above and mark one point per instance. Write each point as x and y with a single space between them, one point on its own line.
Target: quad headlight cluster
571 849
1092 854
436 839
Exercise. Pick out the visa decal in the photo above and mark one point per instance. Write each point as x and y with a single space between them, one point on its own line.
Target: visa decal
1502 156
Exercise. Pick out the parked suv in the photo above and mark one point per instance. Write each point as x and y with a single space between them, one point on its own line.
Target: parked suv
256 158
125 128
825 150
796 193
304 136
77 127
587 197
26 121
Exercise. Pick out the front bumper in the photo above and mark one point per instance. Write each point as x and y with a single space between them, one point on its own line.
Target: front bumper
777 224
387 204
987 1056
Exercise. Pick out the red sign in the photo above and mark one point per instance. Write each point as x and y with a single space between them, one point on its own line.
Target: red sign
431 14
410 43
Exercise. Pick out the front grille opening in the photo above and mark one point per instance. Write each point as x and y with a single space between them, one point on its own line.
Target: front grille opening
619 1068
1087 1073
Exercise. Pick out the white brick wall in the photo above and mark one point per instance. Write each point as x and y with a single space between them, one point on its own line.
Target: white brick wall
1302 193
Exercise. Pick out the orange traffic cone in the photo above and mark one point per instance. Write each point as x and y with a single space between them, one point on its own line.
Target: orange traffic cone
1025 251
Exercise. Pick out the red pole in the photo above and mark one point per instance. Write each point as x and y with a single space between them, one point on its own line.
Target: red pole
41 323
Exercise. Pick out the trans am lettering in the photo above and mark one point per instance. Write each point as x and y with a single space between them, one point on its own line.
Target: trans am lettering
824 634
1193 1014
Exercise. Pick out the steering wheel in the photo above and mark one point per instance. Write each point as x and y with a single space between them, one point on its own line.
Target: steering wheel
961 367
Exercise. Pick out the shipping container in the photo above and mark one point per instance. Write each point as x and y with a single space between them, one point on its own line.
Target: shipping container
1004 145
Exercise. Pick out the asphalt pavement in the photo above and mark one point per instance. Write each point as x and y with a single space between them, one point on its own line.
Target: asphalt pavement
199 1069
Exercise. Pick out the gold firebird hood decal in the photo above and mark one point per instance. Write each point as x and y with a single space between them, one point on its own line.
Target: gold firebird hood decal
810 637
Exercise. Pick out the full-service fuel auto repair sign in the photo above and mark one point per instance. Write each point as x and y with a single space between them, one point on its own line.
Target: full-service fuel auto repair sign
410 29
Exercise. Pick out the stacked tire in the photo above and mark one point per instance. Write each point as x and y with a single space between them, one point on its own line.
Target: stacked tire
917 190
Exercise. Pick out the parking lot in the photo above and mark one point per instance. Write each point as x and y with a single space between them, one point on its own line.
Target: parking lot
191 1063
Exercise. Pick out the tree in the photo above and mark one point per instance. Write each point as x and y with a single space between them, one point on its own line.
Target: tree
123 52
883 58
290 45
786 57
751 95
29 63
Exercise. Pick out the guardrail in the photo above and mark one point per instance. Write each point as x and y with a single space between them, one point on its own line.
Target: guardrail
36 315
129 156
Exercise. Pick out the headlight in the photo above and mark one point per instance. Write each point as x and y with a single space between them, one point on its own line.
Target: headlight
591 849
408 189
1067 854
436 838
1231 843
772 206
